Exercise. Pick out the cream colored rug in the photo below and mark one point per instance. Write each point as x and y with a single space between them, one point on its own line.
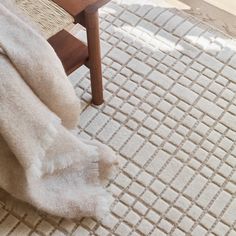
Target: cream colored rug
170 114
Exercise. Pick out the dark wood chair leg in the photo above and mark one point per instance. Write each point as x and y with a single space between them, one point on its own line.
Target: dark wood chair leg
92 26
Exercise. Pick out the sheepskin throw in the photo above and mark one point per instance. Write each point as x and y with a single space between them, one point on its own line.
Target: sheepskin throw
42 162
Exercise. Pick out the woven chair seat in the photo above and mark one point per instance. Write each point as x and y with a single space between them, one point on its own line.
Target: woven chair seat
48 16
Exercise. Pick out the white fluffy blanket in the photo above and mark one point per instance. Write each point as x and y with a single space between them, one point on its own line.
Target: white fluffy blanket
41 161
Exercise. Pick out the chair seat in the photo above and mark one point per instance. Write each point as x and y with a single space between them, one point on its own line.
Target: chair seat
48 16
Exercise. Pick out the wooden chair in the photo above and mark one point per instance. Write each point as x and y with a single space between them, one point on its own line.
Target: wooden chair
74 53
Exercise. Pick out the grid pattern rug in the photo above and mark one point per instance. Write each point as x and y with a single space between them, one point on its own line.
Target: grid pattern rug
170 114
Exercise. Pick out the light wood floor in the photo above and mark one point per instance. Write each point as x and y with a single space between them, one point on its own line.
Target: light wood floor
219 13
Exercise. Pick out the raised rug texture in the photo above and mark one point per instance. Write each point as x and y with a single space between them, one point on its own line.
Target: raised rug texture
170 113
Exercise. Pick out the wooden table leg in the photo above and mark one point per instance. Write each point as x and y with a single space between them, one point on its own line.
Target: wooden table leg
92 27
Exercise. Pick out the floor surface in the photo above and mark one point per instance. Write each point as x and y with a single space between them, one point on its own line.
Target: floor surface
220 14
170 114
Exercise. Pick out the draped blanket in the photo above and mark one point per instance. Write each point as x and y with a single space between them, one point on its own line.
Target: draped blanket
41 161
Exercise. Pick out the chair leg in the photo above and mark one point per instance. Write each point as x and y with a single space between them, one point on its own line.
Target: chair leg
92 27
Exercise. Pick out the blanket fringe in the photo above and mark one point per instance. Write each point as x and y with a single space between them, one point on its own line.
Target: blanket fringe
67 160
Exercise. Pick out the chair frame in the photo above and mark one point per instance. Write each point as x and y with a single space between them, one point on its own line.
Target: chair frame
72 52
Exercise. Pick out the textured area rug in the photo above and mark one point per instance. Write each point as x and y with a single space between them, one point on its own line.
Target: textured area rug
170 113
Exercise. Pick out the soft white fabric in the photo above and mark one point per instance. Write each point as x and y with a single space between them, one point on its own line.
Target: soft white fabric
41 161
